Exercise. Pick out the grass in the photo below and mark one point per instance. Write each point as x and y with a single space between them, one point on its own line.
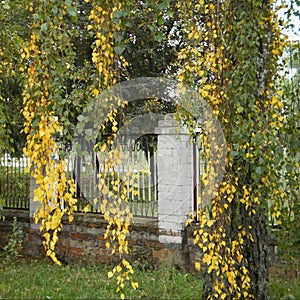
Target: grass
282 289
41 279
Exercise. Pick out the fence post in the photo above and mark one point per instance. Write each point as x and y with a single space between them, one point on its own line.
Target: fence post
33 205
175 179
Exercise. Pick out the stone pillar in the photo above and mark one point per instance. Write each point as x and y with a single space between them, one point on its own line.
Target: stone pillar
175 179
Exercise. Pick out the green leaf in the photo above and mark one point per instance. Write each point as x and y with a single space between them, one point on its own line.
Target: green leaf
72 11
119 14
118 37
234 153
170 13
240 109
258 170
160 21
44 27
54 10
36 17
89 134
160 36
164 5
81 118
119 49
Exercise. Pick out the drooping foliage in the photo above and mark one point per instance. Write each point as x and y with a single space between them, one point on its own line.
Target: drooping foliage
48 56
233 64
106 23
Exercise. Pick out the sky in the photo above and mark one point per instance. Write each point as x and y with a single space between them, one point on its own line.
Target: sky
295 20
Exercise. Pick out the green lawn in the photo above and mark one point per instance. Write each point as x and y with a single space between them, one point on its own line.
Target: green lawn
41 279
44 280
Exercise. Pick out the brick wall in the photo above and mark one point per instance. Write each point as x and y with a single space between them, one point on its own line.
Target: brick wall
82 240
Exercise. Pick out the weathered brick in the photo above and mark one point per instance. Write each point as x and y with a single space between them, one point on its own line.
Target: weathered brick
160 254
75 250
79 241
78 236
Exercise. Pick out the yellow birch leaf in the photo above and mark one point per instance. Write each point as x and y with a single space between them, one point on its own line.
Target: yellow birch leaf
240 257
119 268
134 285
86 208
104 190
210 223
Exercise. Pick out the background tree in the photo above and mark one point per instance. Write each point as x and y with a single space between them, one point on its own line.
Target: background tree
14 30
289 221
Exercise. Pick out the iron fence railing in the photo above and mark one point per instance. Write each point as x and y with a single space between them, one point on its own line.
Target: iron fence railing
138 161
136 171
14 182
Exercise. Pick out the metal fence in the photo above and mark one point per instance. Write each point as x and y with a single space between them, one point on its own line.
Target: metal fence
138 161
136 171
14 182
